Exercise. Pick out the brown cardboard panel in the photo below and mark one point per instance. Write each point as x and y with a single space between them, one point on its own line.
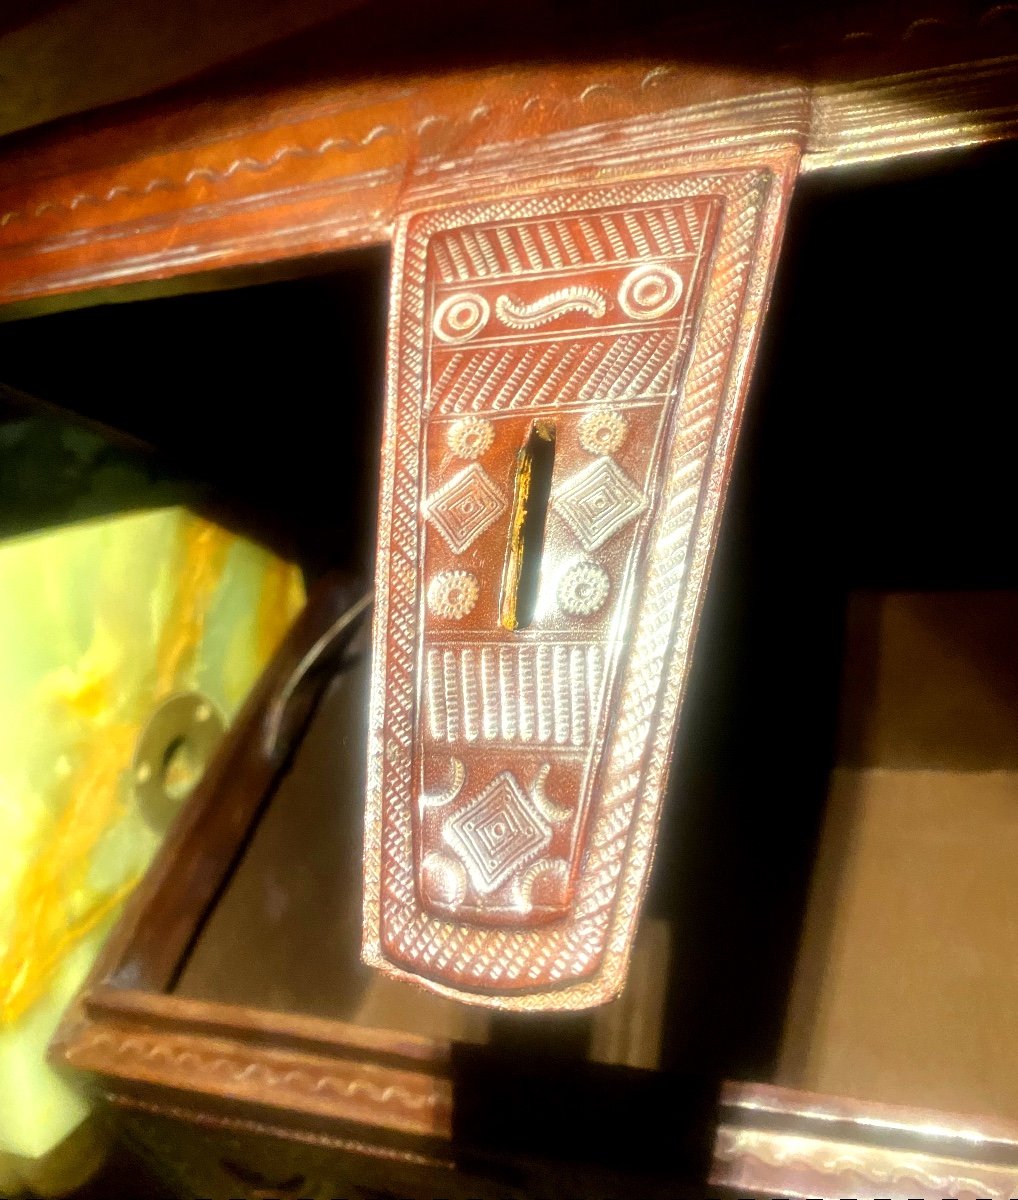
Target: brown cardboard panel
907 982
905 986
931 680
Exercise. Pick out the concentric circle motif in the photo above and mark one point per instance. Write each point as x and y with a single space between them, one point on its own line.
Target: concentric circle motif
470 437
443 880
602 431
453 594
583 588
458 318
650 291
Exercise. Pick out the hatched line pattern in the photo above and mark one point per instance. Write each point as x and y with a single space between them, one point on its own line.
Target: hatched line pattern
535 694
620 367
456 954
554 243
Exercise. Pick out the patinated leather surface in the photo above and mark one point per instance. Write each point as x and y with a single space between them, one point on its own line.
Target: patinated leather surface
516 764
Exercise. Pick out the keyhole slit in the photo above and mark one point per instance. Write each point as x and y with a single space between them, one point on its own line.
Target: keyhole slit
521 580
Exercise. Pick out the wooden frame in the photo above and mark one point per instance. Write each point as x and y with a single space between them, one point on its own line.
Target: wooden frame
160 194
169 191
378 1108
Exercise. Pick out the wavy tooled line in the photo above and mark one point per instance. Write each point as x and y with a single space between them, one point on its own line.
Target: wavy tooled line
246 163
518 315
827 1159
209 174
235 1072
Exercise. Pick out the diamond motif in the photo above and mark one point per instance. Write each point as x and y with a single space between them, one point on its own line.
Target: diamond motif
465 507
497 833
597 501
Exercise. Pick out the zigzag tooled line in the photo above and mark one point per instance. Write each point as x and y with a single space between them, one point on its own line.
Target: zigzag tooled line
468 957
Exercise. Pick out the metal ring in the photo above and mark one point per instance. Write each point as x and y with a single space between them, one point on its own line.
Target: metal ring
188 726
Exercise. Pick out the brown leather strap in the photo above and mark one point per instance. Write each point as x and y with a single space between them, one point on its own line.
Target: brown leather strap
566 373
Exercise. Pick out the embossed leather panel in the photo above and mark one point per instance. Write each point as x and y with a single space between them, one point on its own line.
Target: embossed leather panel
516 767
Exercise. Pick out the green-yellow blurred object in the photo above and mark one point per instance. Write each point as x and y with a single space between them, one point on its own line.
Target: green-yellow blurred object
100 623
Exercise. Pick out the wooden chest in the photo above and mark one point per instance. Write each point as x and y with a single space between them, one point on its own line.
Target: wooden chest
821 975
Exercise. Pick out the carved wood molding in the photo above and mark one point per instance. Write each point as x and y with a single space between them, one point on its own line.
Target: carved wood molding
326 1085
334 1088
760 1162
306 177
265 1128
490 893
770 1141
949 108
154 197
850 42
775 1141
374 135
313 1035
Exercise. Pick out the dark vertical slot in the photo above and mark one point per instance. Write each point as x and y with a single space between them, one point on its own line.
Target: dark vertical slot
534 466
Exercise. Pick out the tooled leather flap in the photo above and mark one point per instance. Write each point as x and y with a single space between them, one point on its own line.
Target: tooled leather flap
565 375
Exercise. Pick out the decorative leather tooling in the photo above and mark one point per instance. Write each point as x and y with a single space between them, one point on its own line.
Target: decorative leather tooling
564 378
